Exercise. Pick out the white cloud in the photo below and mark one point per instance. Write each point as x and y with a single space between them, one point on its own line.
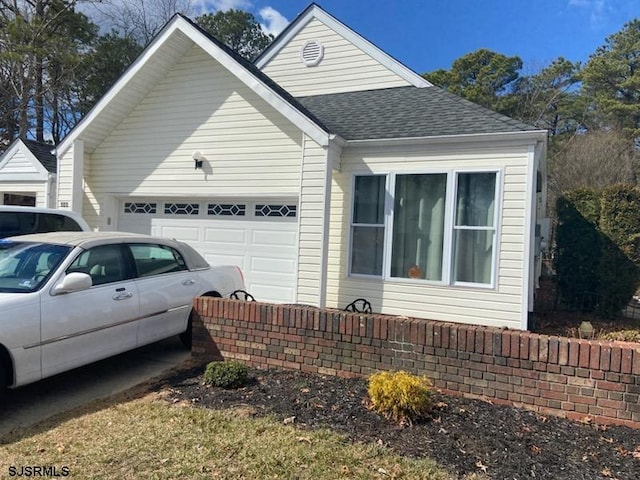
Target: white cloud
206 6
599 10
274 21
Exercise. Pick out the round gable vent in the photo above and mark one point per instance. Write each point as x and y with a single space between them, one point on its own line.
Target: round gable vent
311 53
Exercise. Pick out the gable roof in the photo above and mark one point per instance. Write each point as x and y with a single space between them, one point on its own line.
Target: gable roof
173 41
43 152
406 112
37 153
314 11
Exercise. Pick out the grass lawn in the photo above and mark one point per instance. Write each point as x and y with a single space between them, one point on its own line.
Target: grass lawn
151 438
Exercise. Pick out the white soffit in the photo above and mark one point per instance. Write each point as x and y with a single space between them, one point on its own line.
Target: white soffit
356 39
169 45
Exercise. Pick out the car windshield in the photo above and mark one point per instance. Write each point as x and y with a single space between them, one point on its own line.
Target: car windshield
25 266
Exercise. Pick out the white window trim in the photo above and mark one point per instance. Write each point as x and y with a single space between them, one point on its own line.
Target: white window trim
351 224
447 251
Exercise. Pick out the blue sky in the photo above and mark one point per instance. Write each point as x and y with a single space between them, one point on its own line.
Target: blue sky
429 34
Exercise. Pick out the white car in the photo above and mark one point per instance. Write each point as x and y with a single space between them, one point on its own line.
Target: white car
17 220
71 298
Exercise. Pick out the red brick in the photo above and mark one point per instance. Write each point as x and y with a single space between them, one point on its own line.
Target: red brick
627 360
524 345
616 359
554 350
437 335
605 356
515 344
453 337
488 342
574 352
444 331
479 345
583 356
414 331
635 368
422 333
506 343
543 348
563 351
610 386
471 339
534 347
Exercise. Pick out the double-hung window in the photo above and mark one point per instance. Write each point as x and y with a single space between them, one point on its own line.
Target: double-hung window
367 228
435 227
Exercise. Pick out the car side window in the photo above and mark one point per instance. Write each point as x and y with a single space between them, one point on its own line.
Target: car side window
51 222
104 264
153 259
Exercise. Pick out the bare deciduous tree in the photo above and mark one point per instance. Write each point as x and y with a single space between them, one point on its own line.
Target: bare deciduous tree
139 19
592 160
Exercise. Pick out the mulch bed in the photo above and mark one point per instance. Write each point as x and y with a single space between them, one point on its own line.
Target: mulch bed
463 435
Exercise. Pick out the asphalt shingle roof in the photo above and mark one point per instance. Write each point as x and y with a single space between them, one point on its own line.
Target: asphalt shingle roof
405 112
42 151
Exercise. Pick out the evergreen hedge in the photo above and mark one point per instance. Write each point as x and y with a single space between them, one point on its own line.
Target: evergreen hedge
598 248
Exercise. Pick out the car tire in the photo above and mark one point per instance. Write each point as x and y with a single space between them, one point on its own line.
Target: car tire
186 337
4 380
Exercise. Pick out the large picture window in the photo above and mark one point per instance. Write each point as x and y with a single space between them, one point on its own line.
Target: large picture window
442 227
418 226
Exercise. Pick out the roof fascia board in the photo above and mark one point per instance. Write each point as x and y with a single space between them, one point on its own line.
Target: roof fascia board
365 45
180 24
527 136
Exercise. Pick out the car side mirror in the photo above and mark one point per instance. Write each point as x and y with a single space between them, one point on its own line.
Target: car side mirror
73 282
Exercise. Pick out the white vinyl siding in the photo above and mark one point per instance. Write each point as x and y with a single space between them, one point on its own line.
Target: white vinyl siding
65 179
499 306
250 149
312 216
22 174
344 67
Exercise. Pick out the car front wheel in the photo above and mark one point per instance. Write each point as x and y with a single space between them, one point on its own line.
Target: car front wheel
186 337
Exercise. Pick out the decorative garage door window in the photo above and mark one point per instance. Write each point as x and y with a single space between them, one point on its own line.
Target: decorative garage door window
226 209
141 207
182 208
229 210
275 210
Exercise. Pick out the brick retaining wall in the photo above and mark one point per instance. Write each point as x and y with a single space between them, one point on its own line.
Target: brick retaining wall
579 379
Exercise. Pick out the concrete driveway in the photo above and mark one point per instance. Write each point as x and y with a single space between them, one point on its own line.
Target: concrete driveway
30 404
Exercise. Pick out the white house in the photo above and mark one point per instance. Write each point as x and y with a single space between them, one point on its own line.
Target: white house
28 174
327 170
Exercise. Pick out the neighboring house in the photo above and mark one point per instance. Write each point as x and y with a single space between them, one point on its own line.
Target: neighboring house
28 174
327 170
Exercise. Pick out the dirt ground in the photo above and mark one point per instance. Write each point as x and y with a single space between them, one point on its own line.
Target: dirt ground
464 436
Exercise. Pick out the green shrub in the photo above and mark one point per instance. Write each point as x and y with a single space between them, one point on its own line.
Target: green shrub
231 374
598 248
400 396
578 248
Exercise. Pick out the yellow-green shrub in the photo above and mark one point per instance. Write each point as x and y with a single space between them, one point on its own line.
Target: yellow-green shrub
230 374
400 396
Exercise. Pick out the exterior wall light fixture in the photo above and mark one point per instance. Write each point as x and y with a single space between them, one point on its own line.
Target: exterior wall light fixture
198 158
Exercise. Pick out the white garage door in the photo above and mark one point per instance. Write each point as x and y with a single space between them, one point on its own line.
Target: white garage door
258 236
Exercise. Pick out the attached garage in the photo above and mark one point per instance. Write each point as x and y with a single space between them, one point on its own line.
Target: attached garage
258 235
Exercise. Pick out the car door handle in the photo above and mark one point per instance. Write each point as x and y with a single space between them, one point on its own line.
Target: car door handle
122 296
188 282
